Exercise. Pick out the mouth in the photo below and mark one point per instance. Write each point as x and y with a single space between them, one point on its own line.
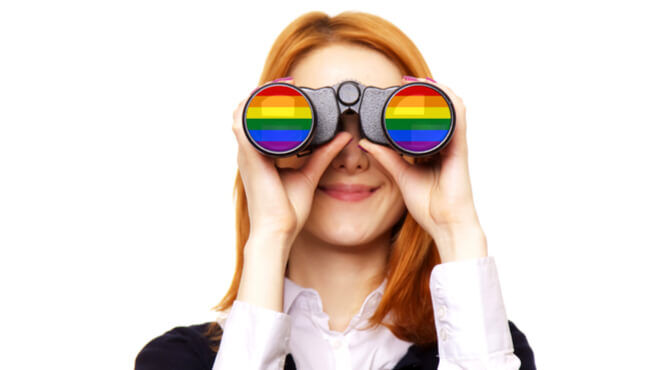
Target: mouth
349 192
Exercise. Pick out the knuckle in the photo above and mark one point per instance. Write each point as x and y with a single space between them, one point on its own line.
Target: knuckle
241 159
460 104
237 111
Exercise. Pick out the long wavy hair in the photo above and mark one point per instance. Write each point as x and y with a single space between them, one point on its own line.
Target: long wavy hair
413 253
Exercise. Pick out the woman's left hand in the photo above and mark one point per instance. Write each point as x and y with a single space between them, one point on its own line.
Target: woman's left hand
439 195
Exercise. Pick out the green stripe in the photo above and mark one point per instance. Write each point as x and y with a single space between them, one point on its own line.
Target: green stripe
418 124
279 123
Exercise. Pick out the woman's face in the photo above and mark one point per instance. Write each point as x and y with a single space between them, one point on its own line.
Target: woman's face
333 219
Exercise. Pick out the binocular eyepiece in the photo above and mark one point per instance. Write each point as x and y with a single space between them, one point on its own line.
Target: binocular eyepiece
416 119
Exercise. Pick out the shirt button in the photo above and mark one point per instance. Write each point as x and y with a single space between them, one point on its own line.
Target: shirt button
281 362
443 334
441 311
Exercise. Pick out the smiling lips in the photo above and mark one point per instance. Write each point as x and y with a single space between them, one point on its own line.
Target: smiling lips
348 192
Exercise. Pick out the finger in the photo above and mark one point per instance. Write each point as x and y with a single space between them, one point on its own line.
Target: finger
246 149
459 107
237 114
389 159
257 170
323 156
458 144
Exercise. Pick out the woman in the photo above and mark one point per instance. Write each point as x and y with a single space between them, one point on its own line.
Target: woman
330 278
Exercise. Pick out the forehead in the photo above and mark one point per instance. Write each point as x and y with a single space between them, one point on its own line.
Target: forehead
333 63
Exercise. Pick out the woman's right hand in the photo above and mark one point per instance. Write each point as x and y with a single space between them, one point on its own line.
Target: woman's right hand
280 199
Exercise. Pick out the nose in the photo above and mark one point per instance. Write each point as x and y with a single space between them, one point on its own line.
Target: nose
351 159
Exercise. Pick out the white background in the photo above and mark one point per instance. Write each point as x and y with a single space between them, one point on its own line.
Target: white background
117 163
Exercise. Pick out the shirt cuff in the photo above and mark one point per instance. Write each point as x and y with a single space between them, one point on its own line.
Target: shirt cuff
470 316
254 337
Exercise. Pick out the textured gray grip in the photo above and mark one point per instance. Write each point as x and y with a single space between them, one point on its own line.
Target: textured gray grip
327 113
371 113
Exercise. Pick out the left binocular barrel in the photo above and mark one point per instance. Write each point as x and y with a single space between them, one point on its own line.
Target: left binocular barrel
279 120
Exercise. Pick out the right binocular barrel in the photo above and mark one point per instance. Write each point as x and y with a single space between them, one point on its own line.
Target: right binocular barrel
417 119
279 119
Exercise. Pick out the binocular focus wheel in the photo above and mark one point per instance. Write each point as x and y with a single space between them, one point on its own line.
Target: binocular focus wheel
278 119
418 119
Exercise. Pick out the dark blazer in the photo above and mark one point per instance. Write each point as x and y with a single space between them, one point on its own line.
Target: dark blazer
187 348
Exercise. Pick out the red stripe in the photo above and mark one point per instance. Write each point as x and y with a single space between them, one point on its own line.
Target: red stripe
278 90
418 90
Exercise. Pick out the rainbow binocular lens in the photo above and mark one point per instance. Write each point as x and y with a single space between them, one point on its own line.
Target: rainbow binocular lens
416 119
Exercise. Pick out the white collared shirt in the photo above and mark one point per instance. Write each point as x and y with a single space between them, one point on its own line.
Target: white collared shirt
470 319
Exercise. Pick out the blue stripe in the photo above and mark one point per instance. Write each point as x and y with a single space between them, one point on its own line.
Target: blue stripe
418 135
279 135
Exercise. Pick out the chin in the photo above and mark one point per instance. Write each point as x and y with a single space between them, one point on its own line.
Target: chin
351 233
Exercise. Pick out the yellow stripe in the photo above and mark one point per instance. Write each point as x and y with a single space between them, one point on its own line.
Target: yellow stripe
278 112
418 112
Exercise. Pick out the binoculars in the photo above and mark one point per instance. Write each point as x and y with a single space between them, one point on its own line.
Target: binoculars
416 119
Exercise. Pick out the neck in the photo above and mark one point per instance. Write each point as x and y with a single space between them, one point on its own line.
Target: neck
343 275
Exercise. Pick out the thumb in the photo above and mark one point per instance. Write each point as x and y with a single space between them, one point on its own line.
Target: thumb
388 158
321 157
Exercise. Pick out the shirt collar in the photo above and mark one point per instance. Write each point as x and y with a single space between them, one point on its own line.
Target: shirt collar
292 291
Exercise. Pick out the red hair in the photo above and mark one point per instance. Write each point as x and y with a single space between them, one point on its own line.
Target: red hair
413 252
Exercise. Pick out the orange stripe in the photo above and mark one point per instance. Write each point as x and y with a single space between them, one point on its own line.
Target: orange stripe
279 101
418 101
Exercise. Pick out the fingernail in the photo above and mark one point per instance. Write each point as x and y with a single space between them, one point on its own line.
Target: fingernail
283 79
359 145
409 78
349 141
430 79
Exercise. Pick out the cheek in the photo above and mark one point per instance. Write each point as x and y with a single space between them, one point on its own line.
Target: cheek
396 208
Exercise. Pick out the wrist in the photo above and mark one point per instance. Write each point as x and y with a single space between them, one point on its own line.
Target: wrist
461 243
267 248
269 240
263 272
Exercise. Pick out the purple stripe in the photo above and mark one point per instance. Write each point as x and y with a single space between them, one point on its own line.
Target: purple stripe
279 146
418 146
